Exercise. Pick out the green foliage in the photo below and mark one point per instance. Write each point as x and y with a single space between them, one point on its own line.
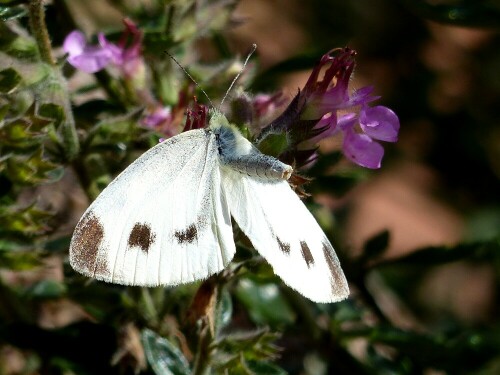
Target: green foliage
70 135
164 358
266 306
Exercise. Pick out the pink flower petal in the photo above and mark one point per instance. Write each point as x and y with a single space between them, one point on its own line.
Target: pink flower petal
83 56
91 60
379 123
157 117
74 43
362 150
115 51
347 121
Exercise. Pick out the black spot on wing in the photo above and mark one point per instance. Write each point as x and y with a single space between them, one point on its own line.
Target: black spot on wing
141 236
306 253
85 244
187 235
337 279
285 247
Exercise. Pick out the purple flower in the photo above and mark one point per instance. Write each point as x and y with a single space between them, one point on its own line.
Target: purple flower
379 123
264 104
157 117
376 123
313 115
83 56
126 54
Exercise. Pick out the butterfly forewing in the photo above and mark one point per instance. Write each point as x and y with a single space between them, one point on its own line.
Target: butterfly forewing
286 234
164 220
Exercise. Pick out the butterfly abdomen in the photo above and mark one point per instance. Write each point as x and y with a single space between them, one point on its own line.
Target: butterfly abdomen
236 152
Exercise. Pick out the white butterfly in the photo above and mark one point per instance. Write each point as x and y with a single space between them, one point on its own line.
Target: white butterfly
166 219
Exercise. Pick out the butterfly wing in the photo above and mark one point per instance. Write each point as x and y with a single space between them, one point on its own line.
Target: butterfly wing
162 221
285 233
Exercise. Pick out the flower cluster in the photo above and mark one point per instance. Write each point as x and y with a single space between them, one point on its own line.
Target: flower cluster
126 57
325 107
314 114
126 54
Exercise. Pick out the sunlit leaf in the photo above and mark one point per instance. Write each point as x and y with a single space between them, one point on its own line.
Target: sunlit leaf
23 222
12 12
236 349
28 170
224 310
164 358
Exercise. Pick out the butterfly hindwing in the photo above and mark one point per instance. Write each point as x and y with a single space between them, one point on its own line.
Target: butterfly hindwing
163 221
286 234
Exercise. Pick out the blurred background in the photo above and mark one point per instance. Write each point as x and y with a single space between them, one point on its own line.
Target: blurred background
418 238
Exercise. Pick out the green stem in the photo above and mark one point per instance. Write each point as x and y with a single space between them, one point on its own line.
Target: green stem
202 360
67 127
149 305
39 31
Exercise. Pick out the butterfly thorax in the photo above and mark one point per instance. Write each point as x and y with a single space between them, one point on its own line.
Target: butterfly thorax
238 153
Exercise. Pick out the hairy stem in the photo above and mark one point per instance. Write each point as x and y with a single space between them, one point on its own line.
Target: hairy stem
39 30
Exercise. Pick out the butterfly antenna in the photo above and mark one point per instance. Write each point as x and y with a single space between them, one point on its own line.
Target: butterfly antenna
254 47
191 78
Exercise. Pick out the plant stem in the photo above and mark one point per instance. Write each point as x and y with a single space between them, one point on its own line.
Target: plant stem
151 311
202 360
39 30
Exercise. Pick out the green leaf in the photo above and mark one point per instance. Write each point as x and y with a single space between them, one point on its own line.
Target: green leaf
30 169
442 350
60 244
22 134
235 350
163 356
113 131
224 310
47 289
472 13
261 367
10 79
13 259
265 304
274 144
52 111
23 222
12 12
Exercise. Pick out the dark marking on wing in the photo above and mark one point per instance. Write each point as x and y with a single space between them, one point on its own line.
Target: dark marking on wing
285 247
334 266
141 236
306 254
187 235
85 245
